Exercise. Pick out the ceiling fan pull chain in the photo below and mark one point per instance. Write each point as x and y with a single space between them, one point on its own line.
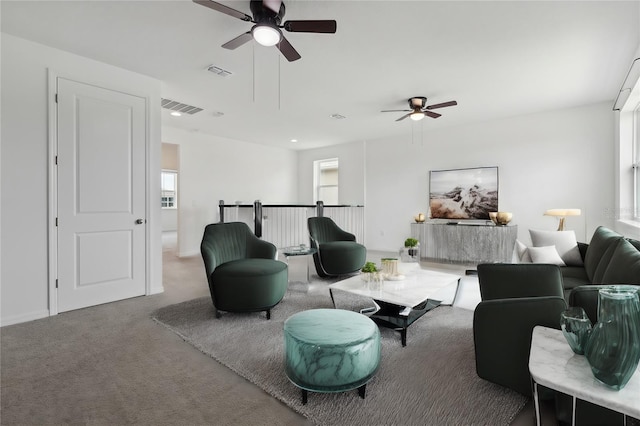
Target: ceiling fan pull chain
413 133
253 71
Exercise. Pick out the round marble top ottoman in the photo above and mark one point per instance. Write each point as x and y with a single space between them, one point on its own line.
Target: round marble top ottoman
330 350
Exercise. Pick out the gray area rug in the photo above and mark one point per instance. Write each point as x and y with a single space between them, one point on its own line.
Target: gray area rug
431 381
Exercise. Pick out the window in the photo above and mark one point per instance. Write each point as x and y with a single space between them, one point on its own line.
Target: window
325 181
169 189
628 149
636 163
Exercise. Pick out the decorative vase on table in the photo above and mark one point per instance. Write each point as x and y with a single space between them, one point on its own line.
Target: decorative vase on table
613 348
576 328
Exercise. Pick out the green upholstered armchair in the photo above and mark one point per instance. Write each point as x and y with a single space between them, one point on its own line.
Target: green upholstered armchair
241 269
514 300
338 252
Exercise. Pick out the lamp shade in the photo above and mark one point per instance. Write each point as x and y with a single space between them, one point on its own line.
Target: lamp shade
563 212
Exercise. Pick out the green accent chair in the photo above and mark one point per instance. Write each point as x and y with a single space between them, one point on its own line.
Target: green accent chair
513 303
241 269
338 252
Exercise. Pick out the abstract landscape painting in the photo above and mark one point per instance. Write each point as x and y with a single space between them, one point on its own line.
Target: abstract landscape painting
463 193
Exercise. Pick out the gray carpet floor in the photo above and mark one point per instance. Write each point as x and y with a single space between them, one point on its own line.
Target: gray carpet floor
112 364
432 381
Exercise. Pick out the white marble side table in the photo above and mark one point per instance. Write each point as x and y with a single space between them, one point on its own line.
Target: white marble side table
553 364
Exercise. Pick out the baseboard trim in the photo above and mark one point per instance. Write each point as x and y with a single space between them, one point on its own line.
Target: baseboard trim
156 290
17 319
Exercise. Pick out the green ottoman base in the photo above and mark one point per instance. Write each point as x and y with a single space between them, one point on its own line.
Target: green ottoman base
331 350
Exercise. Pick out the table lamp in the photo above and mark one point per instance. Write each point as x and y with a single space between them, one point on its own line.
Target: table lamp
562 213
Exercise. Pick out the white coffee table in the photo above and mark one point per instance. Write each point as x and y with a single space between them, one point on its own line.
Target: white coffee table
553 364
400 303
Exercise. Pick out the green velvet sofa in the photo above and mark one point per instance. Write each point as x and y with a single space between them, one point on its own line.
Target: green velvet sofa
513 303
242 270
517 297
609 258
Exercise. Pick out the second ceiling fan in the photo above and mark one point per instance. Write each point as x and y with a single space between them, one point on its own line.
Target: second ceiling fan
420 109
267 17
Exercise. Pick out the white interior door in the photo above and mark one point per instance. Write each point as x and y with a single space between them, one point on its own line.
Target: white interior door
101 195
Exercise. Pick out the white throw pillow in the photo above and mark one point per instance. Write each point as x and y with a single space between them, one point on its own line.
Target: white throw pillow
564 241
547 254
521 253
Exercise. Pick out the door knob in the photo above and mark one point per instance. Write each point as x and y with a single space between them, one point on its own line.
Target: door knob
140 221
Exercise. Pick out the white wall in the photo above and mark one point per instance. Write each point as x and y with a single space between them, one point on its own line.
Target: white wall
24 290
350 175
214 168
555 159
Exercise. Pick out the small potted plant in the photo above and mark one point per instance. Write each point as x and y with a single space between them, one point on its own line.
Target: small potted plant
369 267
411 244
410 252
370 273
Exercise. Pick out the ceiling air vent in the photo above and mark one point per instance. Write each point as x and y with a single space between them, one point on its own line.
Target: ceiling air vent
179 107
219 71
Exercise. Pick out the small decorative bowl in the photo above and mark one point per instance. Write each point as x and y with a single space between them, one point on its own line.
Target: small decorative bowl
503 218
492 216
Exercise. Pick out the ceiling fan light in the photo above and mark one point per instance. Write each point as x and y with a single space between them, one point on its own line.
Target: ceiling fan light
266 35
417 116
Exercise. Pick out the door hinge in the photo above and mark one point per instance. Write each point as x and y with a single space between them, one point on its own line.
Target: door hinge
56 221
56 100
56 283
56 160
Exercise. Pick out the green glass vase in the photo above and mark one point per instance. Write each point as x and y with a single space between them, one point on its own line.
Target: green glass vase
613 348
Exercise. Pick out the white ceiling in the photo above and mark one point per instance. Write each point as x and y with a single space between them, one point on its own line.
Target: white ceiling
497 59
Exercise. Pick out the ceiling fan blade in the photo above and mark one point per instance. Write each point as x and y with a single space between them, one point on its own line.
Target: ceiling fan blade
272 4
310 26
431 114
442 105
287 50
404 116
238 41
224 9
396 110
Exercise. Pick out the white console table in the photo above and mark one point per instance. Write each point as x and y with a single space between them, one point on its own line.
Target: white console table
442 242
553 364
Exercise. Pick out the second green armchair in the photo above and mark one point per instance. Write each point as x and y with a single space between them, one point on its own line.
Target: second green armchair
338 252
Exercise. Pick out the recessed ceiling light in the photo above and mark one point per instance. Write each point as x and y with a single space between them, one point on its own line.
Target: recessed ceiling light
176 114
337 116
294 140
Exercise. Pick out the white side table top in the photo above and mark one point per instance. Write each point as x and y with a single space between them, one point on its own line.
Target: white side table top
553 364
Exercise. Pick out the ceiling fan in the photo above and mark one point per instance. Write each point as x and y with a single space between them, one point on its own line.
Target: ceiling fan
267 16
419 108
